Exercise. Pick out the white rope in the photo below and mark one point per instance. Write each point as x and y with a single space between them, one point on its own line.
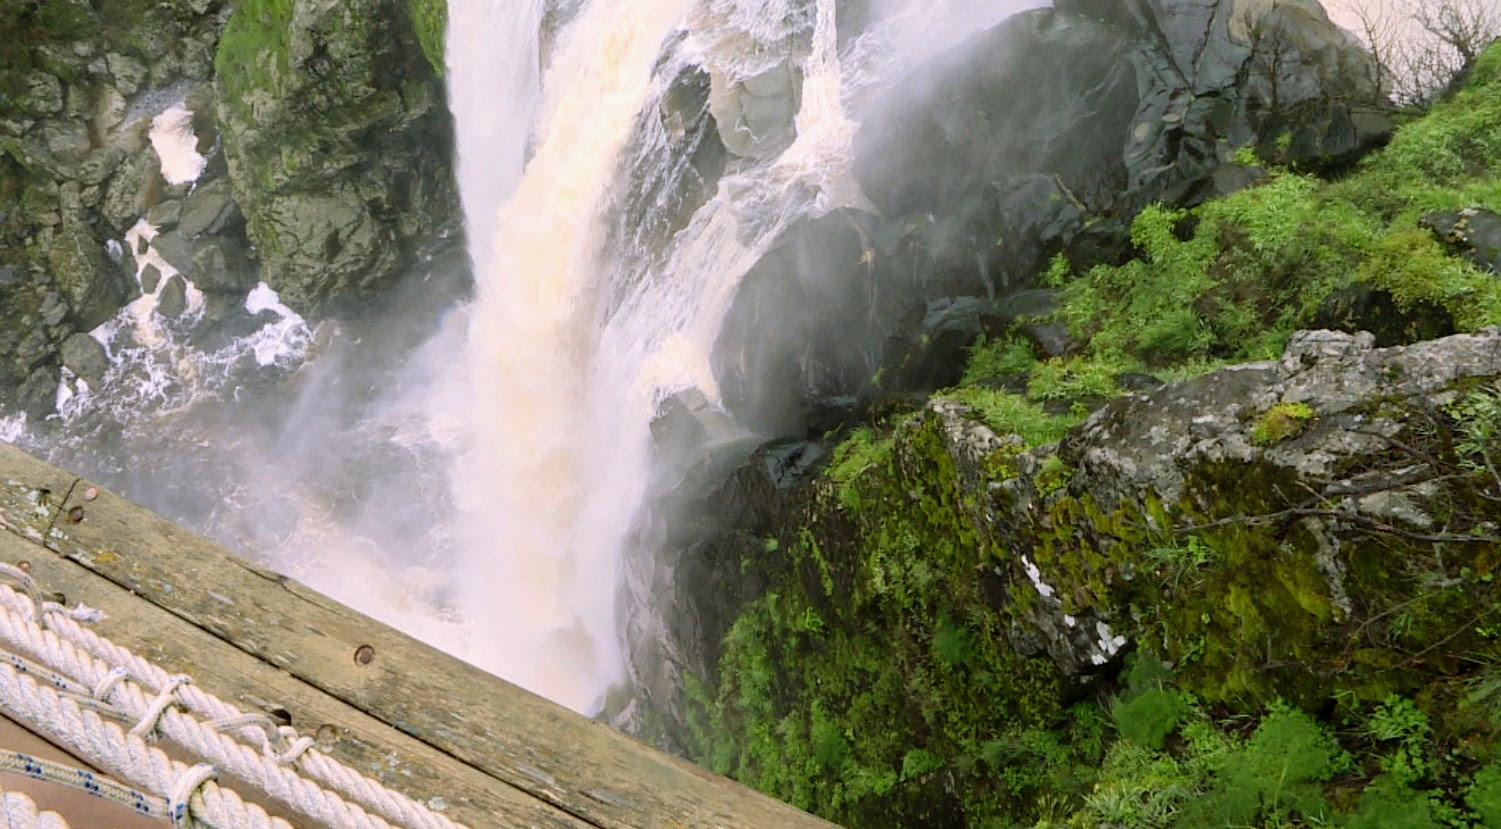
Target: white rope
122 678
20 813
127 756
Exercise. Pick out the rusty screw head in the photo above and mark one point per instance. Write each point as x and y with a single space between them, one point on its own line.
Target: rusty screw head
91 493
75 514
364 655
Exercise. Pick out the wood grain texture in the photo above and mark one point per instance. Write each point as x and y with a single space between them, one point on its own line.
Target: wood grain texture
552 756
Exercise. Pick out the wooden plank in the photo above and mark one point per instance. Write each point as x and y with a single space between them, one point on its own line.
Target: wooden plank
344 732
580 766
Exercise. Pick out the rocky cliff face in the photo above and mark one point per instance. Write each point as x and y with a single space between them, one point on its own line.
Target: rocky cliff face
339 143
76 97
1043 135
334 131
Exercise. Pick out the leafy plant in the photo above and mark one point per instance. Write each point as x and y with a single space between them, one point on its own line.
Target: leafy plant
1278 774
1397 720
989 359
1484 795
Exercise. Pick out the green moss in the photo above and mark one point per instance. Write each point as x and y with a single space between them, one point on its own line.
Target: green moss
875 682
430 19
253 51
1281 422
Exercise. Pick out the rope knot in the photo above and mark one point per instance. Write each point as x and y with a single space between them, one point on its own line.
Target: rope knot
184 787
108 683
296 746
165 699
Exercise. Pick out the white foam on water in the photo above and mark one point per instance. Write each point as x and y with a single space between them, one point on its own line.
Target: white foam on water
176 145
286 339
13 427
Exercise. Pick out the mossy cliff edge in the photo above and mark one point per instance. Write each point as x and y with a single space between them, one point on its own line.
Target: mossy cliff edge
1261 594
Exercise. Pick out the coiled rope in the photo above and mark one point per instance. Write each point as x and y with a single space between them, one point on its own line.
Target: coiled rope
68 683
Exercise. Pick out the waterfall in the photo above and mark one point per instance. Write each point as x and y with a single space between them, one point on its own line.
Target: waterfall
573 343
544 491
474 473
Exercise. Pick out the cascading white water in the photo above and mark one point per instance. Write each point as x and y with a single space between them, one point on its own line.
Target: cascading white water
571 353
540 486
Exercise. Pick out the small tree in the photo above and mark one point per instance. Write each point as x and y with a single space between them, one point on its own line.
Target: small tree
1423 48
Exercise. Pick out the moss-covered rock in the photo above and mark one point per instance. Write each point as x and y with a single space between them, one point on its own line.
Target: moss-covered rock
943 606
338 141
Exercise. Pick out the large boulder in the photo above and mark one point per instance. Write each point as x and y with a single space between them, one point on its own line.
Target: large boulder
338 144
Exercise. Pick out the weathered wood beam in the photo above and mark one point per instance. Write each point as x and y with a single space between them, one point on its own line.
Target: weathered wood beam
422 721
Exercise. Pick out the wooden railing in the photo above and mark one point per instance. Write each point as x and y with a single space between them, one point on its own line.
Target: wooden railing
417 719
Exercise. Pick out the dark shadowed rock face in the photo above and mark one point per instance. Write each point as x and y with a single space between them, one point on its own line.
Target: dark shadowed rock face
339 145
1043 135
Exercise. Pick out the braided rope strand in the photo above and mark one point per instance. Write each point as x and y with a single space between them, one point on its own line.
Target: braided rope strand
119 676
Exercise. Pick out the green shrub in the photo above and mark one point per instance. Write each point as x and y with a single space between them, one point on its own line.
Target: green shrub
1148 718
989 359
1484 795
1399 723
1387 803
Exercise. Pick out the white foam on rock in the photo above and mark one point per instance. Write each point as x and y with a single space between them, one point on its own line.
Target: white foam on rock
284 340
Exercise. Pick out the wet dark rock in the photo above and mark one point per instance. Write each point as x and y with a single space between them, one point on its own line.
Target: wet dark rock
1136 381
173 300
165 214
656 205
85 357
1050 339
221 266
92 287
338 144
175 249
1472 233
1041 136
37 396
207 210
150 276
790 464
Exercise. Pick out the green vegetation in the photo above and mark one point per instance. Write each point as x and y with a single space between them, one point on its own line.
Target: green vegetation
895 672
430 19
1232 279
252 51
